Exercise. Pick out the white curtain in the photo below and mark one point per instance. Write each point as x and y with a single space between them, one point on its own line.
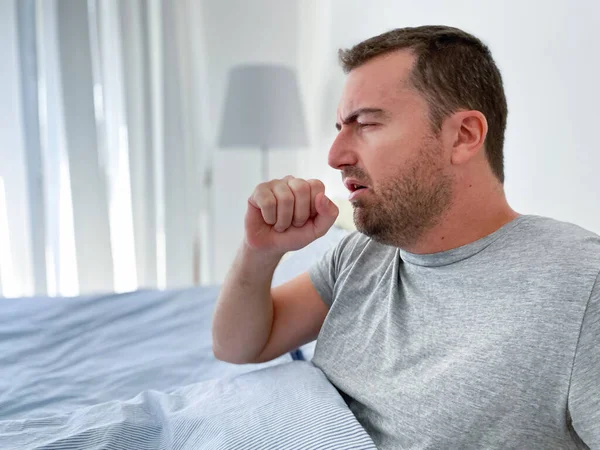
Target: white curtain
111 154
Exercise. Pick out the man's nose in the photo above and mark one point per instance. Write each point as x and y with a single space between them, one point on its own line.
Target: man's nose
342 152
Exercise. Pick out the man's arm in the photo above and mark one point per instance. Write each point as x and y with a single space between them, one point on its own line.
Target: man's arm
298 315
286 318
253 323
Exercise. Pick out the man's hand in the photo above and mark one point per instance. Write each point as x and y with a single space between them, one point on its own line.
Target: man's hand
287 214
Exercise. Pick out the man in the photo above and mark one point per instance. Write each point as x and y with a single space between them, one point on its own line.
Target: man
448 321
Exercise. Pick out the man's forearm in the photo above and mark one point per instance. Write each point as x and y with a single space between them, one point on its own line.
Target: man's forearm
244 312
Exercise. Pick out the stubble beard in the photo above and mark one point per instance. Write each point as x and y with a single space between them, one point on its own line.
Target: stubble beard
402 209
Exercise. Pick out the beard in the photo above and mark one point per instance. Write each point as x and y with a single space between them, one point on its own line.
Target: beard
401 209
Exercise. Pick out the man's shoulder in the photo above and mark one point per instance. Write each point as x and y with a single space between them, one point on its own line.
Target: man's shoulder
560 231
358 246
564 239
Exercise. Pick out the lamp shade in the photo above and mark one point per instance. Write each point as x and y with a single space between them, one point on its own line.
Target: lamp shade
263 108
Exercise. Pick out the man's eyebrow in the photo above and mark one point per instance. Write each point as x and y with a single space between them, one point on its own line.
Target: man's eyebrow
354 115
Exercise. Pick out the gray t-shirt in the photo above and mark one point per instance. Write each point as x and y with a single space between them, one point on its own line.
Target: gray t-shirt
492 345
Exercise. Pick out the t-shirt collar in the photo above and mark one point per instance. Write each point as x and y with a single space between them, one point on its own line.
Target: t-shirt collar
460 253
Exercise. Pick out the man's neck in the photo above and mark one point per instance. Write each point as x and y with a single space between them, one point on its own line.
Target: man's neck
462 225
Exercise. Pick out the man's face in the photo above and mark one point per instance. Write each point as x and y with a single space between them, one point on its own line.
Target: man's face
386 143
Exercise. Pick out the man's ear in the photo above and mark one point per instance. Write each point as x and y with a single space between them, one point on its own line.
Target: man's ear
466 133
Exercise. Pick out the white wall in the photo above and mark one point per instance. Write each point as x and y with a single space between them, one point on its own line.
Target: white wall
322 81
238 31
548 55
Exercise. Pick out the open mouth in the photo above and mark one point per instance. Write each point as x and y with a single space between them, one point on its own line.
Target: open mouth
356 187
353 185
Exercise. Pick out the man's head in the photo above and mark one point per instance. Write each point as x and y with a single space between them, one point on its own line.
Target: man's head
422 114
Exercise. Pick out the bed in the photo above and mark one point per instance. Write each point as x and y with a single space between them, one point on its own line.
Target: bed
136 371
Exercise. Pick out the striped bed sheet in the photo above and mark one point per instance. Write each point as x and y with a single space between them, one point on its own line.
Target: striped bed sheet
287 406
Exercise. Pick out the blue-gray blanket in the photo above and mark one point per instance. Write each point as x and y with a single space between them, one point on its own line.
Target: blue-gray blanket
288 406
136 371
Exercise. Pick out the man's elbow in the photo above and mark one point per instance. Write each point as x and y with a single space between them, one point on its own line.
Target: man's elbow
224 352
232 358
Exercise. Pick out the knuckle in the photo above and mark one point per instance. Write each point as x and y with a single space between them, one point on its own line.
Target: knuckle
286 199
261 191
274 184
268 202
262 187
300 186
316 184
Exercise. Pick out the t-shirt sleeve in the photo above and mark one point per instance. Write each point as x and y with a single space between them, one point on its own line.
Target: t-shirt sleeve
324 273
584 394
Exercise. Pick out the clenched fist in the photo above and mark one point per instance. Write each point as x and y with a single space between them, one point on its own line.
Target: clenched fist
288 214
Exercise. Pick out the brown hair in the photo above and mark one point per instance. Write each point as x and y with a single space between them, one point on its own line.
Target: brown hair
453 70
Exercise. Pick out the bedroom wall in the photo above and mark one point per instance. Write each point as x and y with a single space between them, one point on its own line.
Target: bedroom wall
548 60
